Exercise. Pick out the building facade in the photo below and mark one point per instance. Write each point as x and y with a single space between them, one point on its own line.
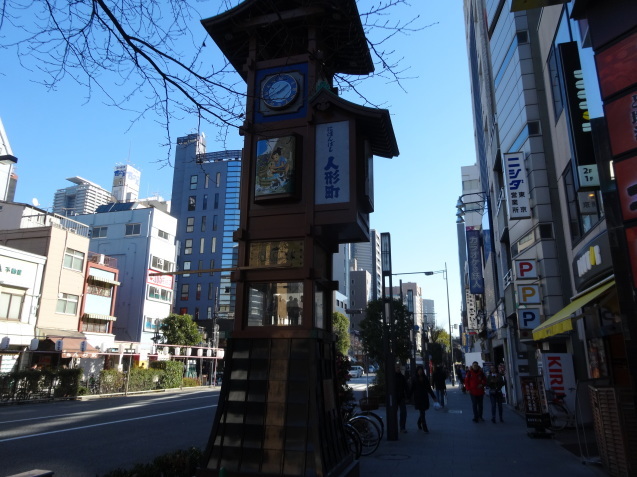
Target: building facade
20 288
142 241
542 282
205 202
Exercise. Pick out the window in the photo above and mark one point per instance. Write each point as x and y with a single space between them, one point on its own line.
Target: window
202 243
162 234
218 179
160 264
192 202
200 267
74 259
275 304
203 223
99 290
11 300
185 288
205 201
206 181
183 310
209 313
67 304
193 182
211 291
186 266
214 223
99 232
198 292
196 315
216 206
94 326
212 266
161 294
213 246
133 229
188 247
190 224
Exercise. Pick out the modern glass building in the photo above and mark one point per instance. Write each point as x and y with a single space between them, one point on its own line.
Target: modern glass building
205 201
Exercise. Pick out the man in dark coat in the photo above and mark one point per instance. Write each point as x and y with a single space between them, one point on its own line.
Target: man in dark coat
439 379
402 394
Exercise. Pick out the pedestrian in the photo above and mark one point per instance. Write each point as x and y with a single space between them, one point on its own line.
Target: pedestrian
439 380
495 383
421 390
475 381
402 394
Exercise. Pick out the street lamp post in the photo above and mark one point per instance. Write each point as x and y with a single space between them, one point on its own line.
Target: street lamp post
444 272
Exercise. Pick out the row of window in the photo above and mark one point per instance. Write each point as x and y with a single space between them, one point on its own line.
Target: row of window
190 223
184 294
187 265
192 202
188 245
101 231
194 181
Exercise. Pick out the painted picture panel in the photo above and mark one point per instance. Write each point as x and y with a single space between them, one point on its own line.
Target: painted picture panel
275 168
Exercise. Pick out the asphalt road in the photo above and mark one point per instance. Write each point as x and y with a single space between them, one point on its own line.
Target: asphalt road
90 438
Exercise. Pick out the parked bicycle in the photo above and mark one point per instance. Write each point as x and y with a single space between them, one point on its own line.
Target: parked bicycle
368 427
561 415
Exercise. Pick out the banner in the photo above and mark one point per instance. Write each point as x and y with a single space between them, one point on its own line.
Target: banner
474 258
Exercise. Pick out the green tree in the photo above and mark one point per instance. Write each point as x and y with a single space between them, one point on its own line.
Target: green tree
180 330
340 327
372 331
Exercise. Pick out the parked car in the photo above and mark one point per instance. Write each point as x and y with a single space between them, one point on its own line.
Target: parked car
356 371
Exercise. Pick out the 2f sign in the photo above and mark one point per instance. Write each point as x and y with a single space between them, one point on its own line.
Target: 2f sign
529 318
528 294
526 269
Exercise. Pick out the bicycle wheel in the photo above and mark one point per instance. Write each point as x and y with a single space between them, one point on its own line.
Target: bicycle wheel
559 416
377 419
353 441
369 433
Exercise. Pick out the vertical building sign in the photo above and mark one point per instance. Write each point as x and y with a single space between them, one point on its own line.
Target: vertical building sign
474 257
517 186
472 312
332 163
578 116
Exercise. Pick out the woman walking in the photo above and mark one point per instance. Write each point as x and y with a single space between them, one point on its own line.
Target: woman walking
421 390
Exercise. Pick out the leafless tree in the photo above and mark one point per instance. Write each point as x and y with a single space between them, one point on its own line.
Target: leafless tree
157 50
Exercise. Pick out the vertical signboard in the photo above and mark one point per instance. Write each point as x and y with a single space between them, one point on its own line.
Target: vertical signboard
526 269
578 116
474 258
332 163
517 186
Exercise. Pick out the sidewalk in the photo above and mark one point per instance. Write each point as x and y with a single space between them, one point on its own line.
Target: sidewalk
458 447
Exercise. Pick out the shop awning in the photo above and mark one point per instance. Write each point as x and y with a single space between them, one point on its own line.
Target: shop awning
561 322
97 316
104 280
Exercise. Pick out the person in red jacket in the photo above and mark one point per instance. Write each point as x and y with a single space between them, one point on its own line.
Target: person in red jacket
474 381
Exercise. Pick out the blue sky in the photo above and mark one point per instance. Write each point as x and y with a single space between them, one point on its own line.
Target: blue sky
64 133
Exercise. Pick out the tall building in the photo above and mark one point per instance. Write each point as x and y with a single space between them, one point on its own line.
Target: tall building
126 183
142 240
205 202
367 256
8 178
82 198
543 265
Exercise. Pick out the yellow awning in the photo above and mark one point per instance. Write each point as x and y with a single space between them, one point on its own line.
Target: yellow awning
561 321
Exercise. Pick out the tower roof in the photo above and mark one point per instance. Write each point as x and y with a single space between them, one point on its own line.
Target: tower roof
280 28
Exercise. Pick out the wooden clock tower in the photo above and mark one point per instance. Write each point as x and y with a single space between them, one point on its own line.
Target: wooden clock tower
306 186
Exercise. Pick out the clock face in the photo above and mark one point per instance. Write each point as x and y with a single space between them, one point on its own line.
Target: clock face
280 90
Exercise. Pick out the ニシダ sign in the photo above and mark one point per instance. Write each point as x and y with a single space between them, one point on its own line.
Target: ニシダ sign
517 186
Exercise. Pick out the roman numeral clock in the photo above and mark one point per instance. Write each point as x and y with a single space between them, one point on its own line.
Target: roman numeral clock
306 187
